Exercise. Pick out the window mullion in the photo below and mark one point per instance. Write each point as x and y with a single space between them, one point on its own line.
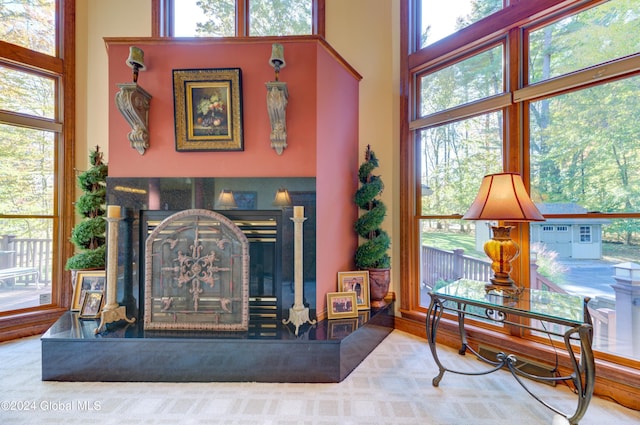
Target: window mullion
591 75
465 111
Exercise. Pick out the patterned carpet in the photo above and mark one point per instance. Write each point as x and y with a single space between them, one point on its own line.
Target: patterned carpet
392 386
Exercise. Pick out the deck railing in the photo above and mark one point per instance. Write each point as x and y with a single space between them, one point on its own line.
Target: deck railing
27 253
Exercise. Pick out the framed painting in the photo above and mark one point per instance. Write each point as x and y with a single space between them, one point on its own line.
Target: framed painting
208 109
91 305
87 281
357 282
341 305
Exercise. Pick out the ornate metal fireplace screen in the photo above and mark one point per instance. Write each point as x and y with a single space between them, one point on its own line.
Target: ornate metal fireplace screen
196 274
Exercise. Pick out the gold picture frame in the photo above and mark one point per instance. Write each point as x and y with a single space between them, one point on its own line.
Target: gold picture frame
208 109
341 305
91 305
87 281
357 281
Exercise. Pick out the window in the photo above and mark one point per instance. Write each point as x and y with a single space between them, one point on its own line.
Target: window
440 19
238 18
585 234
35 80
551 94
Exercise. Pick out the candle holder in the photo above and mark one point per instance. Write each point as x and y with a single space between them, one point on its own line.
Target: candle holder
298 314
112 311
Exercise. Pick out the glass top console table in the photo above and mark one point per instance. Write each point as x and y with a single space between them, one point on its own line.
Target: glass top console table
556 315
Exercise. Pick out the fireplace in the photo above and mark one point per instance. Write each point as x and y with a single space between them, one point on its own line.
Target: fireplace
148 201
268 351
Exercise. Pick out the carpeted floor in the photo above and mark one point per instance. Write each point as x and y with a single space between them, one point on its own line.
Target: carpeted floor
391 386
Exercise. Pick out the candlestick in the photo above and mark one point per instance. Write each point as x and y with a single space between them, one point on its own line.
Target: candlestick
112 311
113 211
298 314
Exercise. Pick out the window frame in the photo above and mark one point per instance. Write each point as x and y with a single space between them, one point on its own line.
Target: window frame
34 320
162 12
511 22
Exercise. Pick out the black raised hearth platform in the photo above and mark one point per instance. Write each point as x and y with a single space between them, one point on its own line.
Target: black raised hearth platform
268 352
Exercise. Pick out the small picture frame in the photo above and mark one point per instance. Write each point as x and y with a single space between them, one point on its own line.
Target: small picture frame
87 281
208 109
91 305
357 281
341 305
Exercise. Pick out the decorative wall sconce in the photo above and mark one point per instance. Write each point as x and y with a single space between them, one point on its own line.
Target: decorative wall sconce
226 200
277 99
282 199
133 103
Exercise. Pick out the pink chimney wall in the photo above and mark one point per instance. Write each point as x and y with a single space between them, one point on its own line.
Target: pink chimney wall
322 128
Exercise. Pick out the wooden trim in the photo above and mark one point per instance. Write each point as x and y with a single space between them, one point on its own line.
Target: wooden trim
28 324
485 30
36 61
594 74
465 111
318 16
242 18
61 285
37 123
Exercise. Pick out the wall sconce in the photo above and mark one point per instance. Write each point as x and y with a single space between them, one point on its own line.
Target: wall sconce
282 199
226 200
502 197
133 103
277 99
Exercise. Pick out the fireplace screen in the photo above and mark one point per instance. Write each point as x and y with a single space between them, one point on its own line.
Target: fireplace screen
196 274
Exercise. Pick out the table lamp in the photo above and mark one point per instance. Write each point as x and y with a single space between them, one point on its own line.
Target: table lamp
502 197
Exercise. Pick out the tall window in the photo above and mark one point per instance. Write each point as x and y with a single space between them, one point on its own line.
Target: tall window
238 18
34 81
554 98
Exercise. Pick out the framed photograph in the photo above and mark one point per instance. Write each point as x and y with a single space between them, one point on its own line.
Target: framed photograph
341 305
91 305
357 282
342 328
87 281
208 109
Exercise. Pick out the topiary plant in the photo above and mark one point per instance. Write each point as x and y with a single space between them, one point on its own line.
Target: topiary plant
89 236
372 254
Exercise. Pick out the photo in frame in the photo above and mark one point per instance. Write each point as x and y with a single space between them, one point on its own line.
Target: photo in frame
357 281
341 305
91 305
208 109
87 281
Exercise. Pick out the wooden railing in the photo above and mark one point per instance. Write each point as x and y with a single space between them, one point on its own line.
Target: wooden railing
27 253
440 265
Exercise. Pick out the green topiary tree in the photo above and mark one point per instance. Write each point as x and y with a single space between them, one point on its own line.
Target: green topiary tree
89 236
371 254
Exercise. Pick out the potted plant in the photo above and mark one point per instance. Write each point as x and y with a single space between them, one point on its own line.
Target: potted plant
372 254
89 235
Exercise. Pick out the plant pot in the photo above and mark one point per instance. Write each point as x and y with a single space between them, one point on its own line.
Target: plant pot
379 280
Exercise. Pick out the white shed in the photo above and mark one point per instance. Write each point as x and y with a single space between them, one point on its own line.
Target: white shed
579 238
